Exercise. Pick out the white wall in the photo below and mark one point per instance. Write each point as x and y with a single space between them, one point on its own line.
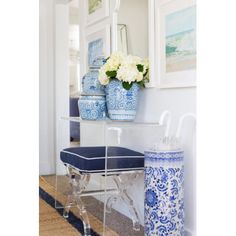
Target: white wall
62 81
54 88
46 89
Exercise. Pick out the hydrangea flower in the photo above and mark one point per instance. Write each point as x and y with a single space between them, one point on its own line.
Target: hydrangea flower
128 69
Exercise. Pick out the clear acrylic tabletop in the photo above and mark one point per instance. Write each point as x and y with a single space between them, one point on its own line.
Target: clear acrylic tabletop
110 122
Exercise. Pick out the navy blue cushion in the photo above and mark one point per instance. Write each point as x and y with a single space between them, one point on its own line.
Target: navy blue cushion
92 159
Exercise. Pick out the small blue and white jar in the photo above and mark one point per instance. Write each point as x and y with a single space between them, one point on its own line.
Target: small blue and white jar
92 107
164 193
121 103
91 84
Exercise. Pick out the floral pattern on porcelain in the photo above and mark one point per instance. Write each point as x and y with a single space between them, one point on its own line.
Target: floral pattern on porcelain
164 193
92 107
121 103
91 84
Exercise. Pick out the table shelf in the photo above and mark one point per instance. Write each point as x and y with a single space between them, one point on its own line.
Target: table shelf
110 122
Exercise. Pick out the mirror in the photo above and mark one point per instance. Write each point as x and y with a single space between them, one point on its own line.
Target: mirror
107 26
132 27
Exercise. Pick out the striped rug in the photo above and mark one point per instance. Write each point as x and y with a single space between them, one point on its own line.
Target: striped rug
51 221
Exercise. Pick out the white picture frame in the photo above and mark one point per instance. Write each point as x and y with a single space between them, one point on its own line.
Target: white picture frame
96 10
151 44
97 36
175 61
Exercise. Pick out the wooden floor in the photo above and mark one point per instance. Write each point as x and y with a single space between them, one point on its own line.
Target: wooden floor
117 224
52 224
52 227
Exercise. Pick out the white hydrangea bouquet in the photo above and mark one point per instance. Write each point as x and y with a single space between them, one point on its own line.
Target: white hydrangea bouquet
126 68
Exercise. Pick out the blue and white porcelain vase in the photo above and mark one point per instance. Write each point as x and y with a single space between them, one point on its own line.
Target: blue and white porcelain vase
92 107
164 193
91 84
121 103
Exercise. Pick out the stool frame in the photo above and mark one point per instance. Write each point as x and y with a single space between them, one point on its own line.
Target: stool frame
79 182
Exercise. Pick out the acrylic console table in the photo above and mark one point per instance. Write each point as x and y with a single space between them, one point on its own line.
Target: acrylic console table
107 181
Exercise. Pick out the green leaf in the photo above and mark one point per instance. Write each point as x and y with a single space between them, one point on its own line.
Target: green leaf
145 73
126 85
111 74
141 84
140 67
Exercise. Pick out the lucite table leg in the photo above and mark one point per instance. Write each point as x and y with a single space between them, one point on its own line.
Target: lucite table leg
110 202
123 185
84 215
69 203
78 183
126 198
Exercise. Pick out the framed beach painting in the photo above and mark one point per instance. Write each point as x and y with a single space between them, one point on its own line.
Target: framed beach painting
96 10
97 45
176 43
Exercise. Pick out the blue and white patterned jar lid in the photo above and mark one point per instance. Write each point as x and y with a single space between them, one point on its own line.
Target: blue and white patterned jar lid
91 84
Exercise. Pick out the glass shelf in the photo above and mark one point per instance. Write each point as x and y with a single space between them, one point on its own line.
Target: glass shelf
110 122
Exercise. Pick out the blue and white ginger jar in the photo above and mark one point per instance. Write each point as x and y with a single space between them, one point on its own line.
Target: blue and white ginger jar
91 84
164 193
92 107
121 103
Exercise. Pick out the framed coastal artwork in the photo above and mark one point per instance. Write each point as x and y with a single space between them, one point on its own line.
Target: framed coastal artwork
176 43
96 10
97 45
